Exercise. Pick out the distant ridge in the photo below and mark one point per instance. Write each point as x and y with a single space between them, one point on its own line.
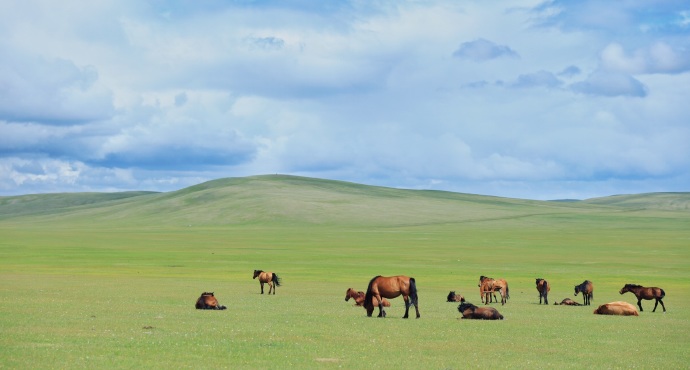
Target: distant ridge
285 200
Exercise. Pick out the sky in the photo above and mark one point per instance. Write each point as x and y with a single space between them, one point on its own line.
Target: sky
527 99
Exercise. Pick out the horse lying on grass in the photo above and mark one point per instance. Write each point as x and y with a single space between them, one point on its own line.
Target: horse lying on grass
207 301
452 297
358 296
470 311
619 308
567 302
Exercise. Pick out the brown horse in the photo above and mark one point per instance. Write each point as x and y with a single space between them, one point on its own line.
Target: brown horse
543 287
391 287
452 297
645 293
587 290
619 308
567 302
470 311
358 296
267 278
488 285
207 301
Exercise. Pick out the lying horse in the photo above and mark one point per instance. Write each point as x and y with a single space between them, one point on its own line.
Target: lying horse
645 293
391 287
488 285
543 287
452 297
587 290
358 296
267 278
617 308
207 301
470 311
567 302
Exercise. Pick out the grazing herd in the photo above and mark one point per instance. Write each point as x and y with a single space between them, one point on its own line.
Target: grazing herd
382 288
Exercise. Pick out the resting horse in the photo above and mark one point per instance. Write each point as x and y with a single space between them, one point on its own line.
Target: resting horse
267 278
587 290
391 287
619 308
358 296
452 297
489 285
207 301
645 293
543 287
470 311
567 302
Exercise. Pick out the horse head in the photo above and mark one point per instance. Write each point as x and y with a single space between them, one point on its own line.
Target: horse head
256 273
629 288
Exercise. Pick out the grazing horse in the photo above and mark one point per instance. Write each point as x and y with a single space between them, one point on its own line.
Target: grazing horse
587 290
391 287
267 278
207 301
452 297
645 293
470 311
358 296
543 287
619 308
567 302
488 285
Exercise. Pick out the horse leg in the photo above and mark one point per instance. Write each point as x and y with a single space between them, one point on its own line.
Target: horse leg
546 298
662 304
262 287
639 304
407 306
381 312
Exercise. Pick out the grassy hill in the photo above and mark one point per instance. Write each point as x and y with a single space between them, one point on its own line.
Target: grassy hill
279 199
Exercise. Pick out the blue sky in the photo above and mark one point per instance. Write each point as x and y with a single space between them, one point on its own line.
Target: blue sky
526 99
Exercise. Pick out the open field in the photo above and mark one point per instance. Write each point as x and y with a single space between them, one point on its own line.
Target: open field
110 281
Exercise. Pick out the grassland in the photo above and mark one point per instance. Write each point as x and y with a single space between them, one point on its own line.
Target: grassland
110 280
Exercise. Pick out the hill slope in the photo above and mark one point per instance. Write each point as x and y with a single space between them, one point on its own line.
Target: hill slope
279 199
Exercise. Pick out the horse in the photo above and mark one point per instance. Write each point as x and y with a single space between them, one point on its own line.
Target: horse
267 278
567 302
452 297
543 287
391 287
358 296
488 285
647 293
619 308
207 301
587 290
470 311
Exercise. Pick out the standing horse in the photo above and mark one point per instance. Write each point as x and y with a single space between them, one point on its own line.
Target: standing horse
391 287
267 278
543 287
488 286
207 301
358 296
645 293
587 290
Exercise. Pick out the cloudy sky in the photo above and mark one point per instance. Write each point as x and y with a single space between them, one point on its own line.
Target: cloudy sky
526 98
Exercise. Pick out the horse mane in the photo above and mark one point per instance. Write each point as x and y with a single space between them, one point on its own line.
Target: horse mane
368 297
465 305
633 286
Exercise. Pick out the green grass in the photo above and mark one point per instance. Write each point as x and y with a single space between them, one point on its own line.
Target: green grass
111 282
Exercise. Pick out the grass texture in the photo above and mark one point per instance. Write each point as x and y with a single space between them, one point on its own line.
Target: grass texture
110 280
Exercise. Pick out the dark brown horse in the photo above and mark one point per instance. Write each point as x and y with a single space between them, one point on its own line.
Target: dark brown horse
391 287
267 278
587 290
543 287
470 311
452 297
488 285
207 301
645 293
619 308
567 302
358 296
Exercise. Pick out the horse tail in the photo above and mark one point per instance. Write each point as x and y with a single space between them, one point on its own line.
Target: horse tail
413 291
663 294
369 296
276 279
